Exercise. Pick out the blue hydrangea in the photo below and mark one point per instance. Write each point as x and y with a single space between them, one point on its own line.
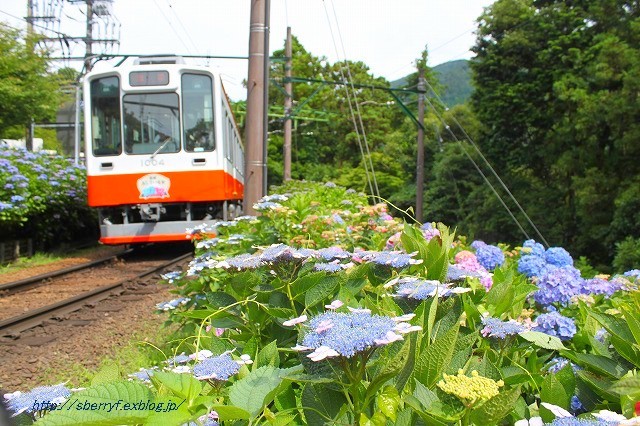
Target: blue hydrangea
172 276
172 304
273 197
337 219
534 248
490 257
576 405
328 267
26 402
331 253
495 327
244 261
635 273
216 368
455 273
576 421
349 333
558 285
394 259
532 265
554 324
267 205
143 374
601 286
277 253
415 288
178 359
558 256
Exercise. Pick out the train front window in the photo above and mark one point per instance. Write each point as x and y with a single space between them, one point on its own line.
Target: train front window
151 123
105 116
197 113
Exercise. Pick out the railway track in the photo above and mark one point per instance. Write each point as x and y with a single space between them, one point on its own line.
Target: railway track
14 325
20 285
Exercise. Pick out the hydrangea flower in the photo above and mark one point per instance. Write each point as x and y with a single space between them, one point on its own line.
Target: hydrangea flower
472 391
601 286
495 327
469 262
333 334
534 248
218 368
266 205
332 253
415 288
279 253
429 232
19 402
172 276
178 359
558 285
635 273
273 197
144 374
532 265
554 324
172 304
490 257
557 256
456 272
242 262
328 267
394 259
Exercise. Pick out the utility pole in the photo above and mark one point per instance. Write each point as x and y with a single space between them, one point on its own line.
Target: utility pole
288 103
28 140
255 128
89 40
420 159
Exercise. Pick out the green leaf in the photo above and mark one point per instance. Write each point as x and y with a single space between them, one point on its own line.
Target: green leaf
387 401
432 362
255 390
84 407
543 340
219 299
597 363
553 392
304 283
497 408
626 386
108 373
321 291
633 322
321 404
268 356
182 385
229 412
601 386
163 416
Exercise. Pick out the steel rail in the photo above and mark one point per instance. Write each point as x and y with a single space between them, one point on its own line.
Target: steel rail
14 286
14 325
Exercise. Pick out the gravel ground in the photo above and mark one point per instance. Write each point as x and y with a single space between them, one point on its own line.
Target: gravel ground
81 341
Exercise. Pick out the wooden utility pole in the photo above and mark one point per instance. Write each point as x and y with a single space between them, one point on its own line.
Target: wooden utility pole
255 128
288 103
420 159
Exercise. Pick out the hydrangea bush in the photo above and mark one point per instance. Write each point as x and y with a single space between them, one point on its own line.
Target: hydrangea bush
36 191
325 310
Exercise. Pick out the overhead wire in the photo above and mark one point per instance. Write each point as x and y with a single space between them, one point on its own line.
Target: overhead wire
171 26
369 174
182 25
493 171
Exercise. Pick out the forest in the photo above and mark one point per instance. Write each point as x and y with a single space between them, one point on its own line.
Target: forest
554 115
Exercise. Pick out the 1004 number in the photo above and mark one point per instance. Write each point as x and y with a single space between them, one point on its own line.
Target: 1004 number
151 162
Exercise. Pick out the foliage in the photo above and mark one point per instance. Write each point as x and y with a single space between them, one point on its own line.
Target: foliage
381 337
25 82
36 191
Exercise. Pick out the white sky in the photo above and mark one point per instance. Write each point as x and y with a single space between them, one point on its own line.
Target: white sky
387 35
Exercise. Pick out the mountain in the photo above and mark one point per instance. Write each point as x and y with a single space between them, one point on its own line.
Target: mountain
455 79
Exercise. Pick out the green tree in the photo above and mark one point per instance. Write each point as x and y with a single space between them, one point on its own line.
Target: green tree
28 91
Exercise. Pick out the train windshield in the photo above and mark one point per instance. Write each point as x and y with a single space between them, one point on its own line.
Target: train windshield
151 123
197 109
105 116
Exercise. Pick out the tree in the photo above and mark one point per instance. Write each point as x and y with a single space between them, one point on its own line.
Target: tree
27 90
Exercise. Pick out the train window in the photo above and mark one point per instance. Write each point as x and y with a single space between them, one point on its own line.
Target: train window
105 116
151 123
197 112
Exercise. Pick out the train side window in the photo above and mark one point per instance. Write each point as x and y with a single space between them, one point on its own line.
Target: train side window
105 116
197 113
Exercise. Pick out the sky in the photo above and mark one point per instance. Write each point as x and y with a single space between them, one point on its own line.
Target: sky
387 35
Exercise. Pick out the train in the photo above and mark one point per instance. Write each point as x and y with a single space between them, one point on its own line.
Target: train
162 150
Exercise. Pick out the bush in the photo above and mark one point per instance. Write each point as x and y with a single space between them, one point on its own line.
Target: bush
627 254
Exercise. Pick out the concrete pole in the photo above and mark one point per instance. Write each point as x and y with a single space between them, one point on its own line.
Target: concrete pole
89 37
30 34
288 103
265 101
255 126
77 137
420 159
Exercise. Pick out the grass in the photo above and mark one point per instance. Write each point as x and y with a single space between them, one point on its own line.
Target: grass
148 346
39 259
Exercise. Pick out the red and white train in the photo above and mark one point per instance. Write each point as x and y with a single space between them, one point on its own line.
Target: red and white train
162 149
